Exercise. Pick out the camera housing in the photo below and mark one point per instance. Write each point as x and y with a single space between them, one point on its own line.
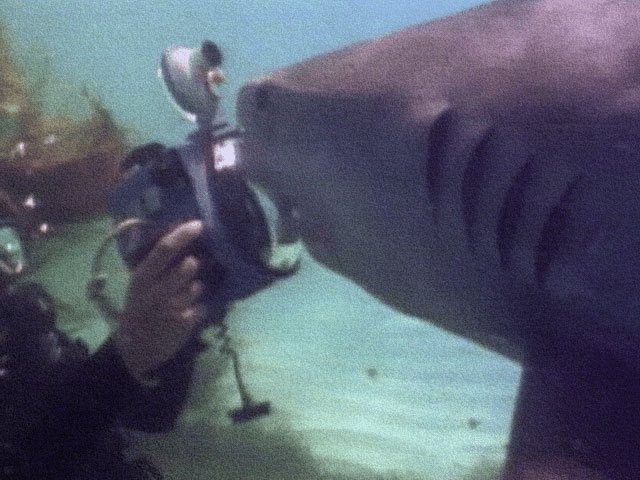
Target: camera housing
247 241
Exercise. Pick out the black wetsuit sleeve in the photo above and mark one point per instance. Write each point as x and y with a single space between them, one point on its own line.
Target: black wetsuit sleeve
82 408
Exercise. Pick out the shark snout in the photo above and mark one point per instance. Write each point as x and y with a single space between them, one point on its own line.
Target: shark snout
252 117
255 105
277 128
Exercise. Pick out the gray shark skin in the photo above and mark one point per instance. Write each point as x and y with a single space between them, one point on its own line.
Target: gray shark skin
482 171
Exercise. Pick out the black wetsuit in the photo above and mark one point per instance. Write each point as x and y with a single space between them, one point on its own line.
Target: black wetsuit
72 433
62 408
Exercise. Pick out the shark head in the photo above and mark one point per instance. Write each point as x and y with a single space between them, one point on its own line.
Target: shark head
482 171
348 172
470 169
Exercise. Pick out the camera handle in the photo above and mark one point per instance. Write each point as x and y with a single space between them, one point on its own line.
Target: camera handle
96 293
96 286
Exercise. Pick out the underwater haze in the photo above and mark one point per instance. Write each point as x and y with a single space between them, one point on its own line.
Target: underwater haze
358 390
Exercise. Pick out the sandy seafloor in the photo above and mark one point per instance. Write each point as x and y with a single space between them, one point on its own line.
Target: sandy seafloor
357 389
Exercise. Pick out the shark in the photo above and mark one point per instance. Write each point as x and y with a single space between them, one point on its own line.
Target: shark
482 171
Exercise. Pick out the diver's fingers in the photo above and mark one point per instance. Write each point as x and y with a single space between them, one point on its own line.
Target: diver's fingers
193 316
187 297
180 276
169 248
195 291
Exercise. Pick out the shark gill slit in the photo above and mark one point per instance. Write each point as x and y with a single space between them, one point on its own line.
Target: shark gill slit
554 230
437 140
511 213
472 181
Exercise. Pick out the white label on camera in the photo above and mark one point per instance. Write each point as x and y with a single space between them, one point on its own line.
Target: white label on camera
224 155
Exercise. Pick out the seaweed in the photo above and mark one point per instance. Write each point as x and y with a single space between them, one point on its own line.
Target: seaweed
55 168
12 90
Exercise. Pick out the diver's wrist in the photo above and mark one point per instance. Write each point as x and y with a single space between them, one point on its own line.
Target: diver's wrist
126 347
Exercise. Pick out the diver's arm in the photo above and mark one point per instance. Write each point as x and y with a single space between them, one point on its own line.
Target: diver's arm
82 407
160 314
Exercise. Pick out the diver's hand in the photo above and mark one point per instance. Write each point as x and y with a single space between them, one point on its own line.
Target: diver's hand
161 307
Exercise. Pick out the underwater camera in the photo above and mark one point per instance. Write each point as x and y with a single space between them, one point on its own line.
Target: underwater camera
248 240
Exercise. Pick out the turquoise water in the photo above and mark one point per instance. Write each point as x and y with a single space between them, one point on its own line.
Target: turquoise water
358 389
